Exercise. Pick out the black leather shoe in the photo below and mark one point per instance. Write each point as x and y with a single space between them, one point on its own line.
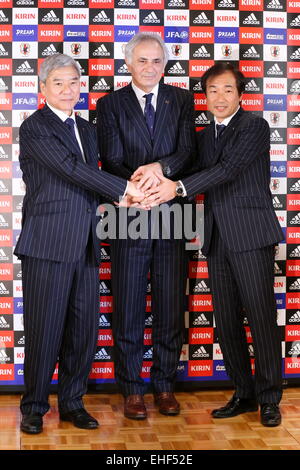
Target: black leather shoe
270 415
235 407
80 418
32 424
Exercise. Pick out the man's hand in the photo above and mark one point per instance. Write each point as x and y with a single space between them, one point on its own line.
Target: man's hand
146 176
165 191
133 198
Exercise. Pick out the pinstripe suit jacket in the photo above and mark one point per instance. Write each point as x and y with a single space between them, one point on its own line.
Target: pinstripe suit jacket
62 191
124 139
235 178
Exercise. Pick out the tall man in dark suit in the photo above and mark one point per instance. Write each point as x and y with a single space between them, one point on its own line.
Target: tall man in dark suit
240 232
58 246
145 127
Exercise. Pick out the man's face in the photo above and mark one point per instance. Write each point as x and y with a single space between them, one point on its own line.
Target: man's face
222 95
62 89
147 65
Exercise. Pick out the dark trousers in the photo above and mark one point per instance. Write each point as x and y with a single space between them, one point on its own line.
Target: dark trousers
61 316
243 285
131 262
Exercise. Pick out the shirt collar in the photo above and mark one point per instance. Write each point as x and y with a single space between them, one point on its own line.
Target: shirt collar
61 114
227 120
140 93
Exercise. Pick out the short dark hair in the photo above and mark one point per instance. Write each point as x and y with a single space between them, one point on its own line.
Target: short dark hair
218 69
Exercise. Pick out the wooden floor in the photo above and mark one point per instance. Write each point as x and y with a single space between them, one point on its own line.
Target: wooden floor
193 429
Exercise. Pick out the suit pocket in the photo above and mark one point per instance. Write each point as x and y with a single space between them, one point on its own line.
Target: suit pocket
51 207
248 201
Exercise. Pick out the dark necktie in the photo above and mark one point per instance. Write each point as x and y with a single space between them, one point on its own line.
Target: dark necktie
71 125
149 113
220 129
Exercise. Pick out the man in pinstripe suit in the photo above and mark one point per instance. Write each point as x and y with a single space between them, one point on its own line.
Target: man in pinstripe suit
240 232
58 246
146 127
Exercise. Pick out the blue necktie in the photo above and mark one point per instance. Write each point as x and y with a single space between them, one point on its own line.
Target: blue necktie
149 113
71 125
220 130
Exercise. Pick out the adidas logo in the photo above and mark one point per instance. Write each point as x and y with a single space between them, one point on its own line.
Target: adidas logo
200 320
101 85
295 349
251 350
25 68
21 341
148 354
126 3
176 68
296 220
3 222
295 86
148 287
104 255
51 17
275 4
201 19
226 4
201 352
197 87
176 3
102 355
251 19
295 253
296 153
3 51
252 86
296 186
103 289
296 54
201 52
3 120
101 51
50 50
3 18
295 121
3 289
275 136
149 320
103 321
3 356
151 18
3 86
251 53
277 269
275 70
3 188
201 287
101 17
296 317
295 285
296 21
3 256
3 323
202 119
123 69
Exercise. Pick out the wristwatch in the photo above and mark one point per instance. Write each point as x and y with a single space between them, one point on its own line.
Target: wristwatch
179 189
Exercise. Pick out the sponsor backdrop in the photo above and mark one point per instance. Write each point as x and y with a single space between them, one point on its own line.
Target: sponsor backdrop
262 37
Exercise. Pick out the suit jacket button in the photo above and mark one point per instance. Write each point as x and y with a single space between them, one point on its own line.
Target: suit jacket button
89 210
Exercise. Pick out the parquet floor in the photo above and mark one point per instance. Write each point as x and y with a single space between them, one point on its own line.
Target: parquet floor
193 429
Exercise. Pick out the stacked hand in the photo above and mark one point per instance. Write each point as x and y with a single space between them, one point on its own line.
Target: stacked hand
148 188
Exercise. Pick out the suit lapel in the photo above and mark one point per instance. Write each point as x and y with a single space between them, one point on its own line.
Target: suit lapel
85 137
135 115
60 130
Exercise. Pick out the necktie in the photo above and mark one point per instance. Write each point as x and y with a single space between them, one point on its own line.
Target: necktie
71 125
149 113
220 130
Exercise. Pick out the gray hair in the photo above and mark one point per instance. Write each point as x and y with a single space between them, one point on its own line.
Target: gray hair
57 61
143 37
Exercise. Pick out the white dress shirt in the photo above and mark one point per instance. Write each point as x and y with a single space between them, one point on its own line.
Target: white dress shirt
140 96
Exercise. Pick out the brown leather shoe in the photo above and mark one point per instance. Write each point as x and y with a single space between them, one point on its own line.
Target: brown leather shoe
134 407
167 403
